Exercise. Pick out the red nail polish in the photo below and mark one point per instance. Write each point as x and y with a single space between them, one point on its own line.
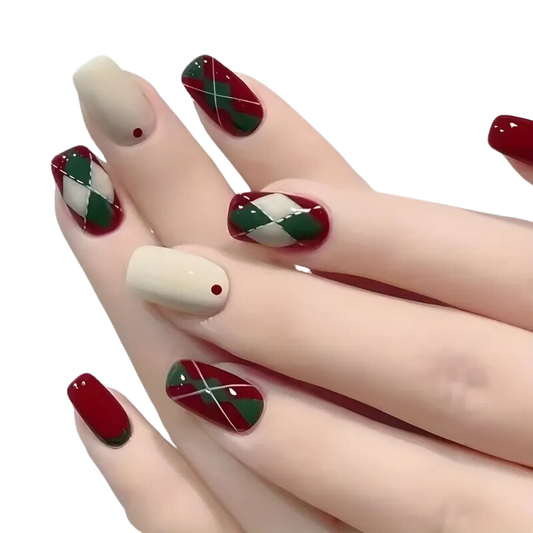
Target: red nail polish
100 410
513 137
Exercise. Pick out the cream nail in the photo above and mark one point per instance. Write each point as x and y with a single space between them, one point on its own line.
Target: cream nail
186 282
114 101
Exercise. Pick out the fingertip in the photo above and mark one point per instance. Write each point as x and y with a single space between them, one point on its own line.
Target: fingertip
100 410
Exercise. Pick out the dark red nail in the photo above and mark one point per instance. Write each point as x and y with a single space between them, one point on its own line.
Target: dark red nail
100 410
278 220
513 137
223 96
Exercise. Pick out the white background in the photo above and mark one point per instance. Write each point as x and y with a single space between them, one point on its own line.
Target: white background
405 90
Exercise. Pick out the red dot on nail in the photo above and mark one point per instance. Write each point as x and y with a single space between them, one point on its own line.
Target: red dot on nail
137 132
216 290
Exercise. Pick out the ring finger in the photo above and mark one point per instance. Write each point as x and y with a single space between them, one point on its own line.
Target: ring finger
457 375
473 262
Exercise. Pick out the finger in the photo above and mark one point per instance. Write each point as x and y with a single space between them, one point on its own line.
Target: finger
460 376
263 137
476 263
369 474
512 136
157 488
152 344
163 168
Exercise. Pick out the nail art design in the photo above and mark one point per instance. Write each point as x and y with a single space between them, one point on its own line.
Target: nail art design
278 220
215 395
186 282
223 96
512 136
114 101
100 410
87 190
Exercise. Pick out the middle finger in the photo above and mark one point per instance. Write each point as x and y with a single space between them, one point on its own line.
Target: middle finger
460 376
465 259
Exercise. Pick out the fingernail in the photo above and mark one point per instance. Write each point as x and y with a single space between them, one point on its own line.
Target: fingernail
216 395
278 220
87 190
114 101
100 410
226 99
186 282
512 136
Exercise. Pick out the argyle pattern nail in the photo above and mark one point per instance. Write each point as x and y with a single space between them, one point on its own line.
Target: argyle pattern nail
215 395
87 190
223 96
278 220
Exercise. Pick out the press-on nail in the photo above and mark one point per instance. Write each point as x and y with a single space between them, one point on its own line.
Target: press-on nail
100 410
87 190
187 282
114 101
223 96
216 395
278 220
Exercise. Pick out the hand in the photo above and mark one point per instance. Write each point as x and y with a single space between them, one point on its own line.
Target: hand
457 369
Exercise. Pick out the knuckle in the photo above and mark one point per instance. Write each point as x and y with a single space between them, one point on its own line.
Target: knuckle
454 518
461 386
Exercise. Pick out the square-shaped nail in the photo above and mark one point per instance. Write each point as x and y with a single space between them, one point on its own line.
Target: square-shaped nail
223 96
114 102
278 220
215 394
87 190
100 410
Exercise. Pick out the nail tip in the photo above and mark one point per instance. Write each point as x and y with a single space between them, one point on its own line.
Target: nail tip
187 68
96 63
73 388
511 136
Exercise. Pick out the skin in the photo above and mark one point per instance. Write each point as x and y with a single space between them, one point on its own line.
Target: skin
461 370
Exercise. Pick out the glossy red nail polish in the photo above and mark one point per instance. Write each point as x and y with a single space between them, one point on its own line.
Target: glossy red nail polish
100 410
513 137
